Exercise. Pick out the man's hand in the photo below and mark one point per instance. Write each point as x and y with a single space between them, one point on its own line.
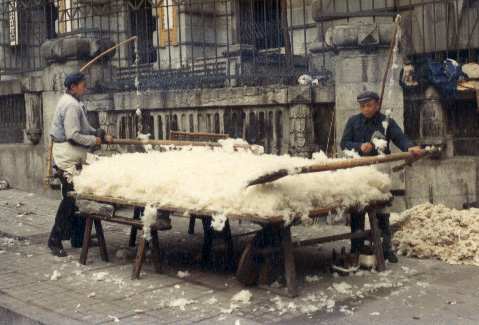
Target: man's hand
100 133
108 138
367 147
417 151
98 141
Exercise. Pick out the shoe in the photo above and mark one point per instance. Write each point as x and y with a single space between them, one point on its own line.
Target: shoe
391 257
57 250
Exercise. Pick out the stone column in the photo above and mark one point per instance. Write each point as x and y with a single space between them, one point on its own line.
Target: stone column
34 120
433 122
300 130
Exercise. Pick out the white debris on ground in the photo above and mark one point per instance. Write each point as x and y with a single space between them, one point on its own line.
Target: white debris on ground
244 296
181 303
203 179
99 276
435 231
56 275
183 274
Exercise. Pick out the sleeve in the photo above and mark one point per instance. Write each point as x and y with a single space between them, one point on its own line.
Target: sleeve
398 137
72 124
91 129
347 141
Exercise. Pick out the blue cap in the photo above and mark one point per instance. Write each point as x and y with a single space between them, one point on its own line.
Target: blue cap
367 96
74 79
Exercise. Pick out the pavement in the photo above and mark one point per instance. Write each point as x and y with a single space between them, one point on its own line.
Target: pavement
38 288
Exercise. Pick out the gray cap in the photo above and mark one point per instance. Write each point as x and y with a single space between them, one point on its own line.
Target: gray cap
367 96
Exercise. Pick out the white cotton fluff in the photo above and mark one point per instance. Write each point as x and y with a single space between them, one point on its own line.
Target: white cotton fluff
183 274
149 218
181 303
216 181
218 222
244 296
380 145
55 276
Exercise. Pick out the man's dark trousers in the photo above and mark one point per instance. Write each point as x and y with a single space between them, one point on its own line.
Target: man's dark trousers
67 225
357 224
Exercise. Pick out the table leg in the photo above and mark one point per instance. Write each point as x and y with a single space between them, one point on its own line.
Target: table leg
207 240
140 257
191 226
376 241
86 239
155 250
289 265
101 240
133 231
229 249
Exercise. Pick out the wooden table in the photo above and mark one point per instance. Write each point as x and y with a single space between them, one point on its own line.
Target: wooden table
275 237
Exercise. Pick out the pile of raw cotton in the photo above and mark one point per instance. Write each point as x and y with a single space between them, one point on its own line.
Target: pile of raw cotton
435 231
216 180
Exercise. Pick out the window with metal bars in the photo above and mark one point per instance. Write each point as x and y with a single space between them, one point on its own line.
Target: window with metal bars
142 24
12 119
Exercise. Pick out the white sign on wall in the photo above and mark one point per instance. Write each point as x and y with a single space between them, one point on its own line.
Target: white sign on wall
13 23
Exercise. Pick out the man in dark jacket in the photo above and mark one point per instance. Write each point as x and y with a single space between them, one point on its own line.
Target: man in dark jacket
357 136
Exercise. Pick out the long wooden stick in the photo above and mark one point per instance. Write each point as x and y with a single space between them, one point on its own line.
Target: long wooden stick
330 166
102 54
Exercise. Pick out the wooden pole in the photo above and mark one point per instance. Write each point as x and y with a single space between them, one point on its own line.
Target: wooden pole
102 54
331 166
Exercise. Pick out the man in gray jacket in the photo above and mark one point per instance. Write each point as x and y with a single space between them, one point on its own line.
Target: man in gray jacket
72 137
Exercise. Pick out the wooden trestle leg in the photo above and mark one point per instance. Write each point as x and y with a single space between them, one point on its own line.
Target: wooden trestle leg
289 264
155 250
140 257
86 239
101 240
376 241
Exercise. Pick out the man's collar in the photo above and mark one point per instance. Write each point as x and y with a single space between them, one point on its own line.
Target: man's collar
68 93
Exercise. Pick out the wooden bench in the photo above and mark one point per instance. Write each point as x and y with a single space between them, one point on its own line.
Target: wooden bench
275 237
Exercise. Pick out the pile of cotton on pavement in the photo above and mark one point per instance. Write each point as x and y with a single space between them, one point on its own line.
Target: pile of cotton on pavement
198 178
439 232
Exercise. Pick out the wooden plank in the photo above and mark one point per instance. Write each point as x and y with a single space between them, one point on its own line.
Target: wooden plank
86 240
185 213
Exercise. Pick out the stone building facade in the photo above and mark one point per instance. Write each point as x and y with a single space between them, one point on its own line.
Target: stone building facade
231 66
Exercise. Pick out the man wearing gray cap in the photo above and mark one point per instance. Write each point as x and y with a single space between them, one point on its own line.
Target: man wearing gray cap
357 136
72 137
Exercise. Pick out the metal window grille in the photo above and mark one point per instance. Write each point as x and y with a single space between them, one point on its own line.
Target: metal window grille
12 119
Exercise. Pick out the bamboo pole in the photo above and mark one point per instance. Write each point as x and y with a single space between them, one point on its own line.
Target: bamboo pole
173 143
331 166
102 54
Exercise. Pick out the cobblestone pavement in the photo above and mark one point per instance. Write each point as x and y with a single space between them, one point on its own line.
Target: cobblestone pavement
37 288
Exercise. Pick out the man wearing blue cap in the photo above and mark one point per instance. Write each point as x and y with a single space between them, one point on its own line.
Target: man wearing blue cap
72 137
357 136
